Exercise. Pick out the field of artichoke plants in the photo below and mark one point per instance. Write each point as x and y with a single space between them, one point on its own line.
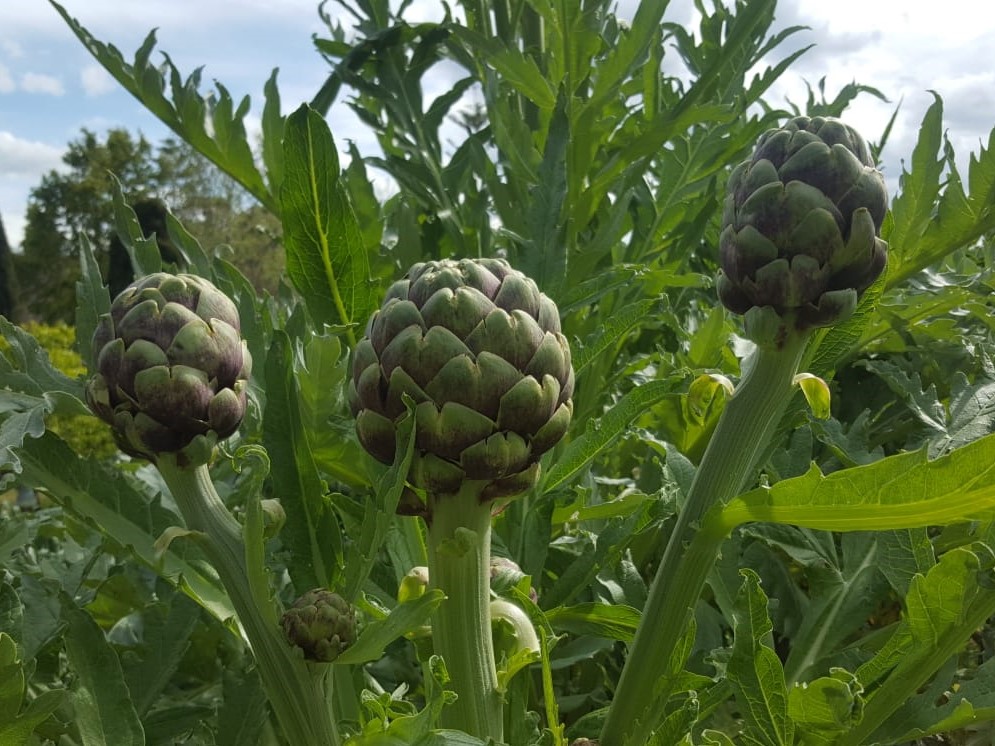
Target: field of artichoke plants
637 414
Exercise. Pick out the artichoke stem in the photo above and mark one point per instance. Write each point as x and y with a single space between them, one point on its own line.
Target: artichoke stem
459 551
295 693
743 433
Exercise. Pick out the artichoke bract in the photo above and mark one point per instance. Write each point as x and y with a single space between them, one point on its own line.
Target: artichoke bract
801 223
171 367
478 348
321 623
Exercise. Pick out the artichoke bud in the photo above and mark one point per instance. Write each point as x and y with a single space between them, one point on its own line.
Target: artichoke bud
479 350
801 228
321 623
506 574
171 368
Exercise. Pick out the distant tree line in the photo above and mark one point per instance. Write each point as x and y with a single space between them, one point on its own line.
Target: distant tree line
38 283
8 288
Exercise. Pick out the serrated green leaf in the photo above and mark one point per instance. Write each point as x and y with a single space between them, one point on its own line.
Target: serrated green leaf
942 609
25 367
614 621
380 512
92 300
273 123
514 67
17 724
193 254
14 431
166 629
326 258
545 259
146 258
188 113
902 491
972 414
243 712
755 670
602 432
311 533
614 329
103 710
968 702
377 635
11 617
826 709
675 730
119 510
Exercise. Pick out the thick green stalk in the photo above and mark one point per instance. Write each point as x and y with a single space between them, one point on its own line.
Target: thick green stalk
295 689
459 553
744 430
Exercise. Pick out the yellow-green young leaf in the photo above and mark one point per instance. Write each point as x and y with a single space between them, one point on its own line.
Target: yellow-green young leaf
702 393
826 708
816 393
902 491
326 259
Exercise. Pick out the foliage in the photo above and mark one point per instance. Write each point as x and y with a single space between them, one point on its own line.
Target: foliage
78 201
849 601
83 432
8 283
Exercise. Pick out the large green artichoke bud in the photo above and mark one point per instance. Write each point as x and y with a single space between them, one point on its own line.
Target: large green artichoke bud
801 223
479 350
172 369
320 623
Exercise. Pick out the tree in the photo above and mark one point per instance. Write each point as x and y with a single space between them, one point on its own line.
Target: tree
8 284
153 179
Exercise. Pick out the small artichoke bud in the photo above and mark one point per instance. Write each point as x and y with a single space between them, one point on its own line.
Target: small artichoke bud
505 574
479 350
800 228
320 623
171 368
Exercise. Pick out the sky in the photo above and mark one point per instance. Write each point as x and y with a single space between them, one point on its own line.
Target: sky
50 87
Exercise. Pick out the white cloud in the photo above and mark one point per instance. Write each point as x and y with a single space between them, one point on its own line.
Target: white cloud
96 81
14 226
26 158
24 163
7 84
41 83
11 48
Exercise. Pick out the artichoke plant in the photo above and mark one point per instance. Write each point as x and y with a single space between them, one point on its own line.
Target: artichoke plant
478 349
171 367
800 224
320 623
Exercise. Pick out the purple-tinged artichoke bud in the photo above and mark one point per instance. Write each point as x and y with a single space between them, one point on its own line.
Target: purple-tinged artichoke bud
479 350
171 368
322 624
505 574
801 224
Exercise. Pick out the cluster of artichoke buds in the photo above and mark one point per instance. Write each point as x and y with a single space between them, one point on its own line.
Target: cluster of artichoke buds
172 368
321 623
801 223
479 351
